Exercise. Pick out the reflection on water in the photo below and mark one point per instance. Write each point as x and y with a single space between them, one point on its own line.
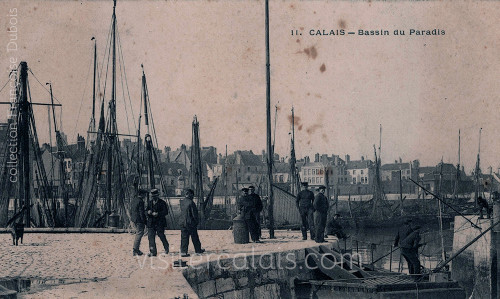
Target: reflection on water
372 244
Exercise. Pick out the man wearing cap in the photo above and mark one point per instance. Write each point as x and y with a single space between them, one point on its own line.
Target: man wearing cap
138 218
257 203
247 208
320 213
188 221
304 203
409 249
156 211
335 228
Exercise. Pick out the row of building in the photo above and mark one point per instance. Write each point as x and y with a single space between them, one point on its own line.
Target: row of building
341 175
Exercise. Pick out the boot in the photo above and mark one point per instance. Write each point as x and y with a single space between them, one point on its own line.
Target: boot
304 235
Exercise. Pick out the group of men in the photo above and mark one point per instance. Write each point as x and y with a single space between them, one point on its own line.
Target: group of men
250 206
313 211
151 214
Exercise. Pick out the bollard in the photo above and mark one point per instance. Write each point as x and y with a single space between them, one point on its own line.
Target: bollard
240 230
113 220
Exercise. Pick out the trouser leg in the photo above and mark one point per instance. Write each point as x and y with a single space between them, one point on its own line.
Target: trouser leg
310 219
305 225
139 232
184 240
408 257
196 240
252 228
161 234
151 239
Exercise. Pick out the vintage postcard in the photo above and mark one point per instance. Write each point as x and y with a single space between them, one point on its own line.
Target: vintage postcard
249 149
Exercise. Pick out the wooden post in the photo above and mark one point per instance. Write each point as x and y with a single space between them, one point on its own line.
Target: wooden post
270 153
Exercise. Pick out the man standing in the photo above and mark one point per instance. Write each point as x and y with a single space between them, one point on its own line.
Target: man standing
320 213
258 207
188 221
248 209
304 203
157 210
483 204
408 239
138 217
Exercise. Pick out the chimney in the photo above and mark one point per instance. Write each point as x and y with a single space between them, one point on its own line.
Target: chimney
347 158
316 157
80 142
400 160
362 158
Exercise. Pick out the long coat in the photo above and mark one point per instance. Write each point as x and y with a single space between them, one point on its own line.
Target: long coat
161 208
189 214
137 213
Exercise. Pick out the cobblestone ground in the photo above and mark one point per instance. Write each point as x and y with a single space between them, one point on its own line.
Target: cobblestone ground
75 257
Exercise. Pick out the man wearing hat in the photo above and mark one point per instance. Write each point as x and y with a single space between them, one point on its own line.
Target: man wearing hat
409 249
156 212
304 203
138 218
247 208
320 213
188 221
257 202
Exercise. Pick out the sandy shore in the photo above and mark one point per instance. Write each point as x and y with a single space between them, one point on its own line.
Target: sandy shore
65 265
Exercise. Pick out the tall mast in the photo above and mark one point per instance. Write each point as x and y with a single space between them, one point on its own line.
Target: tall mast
478 169
24 154
293 159
269 145
92 120
457 177
112 116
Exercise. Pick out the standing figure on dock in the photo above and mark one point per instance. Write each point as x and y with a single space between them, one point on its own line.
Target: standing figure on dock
138 217
320 214
188 221
482 203
408 239
248 208
304 203
157 210
335 228
258 208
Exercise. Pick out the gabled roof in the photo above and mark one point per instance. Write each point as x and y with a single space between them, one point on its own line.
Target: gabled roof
395 166
359 164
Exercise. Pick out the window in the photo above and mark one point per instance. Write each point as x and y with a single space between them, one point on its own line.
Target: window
366 179
362 180
314 171
309 171
354 171
361 171
354 180
281 179
248 178
248 168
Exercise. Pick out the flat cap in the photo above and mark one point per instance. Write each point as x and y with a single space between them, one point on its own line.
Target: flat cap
322 187
251 187
305 184
244 189
155 192
142 192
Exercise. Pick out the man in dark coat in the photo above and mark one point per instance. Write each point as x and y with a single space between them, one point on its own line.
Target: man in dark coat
335 228
156 212
320 206
304 203
188 222
138 218
408 239
258 207
248 208
483 204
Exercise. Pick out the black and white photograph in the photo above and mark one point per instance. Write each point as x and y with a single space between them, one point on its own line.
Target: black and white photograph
251 149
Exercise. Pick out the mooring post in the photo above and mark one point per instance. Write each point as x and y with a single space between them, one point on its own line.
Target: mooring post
390 260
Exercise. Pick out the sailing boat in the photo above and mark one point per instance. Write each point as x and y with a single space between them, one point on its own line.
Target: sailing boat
103 189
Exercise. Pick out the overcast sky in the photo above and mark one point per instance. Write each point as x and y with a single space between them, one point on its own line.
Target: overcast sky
208 58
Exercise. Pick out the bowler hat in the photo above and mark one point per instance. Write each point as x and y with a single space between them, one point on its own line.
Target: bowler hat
305 184
142 192
155 192
244 189
251 187
321 187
